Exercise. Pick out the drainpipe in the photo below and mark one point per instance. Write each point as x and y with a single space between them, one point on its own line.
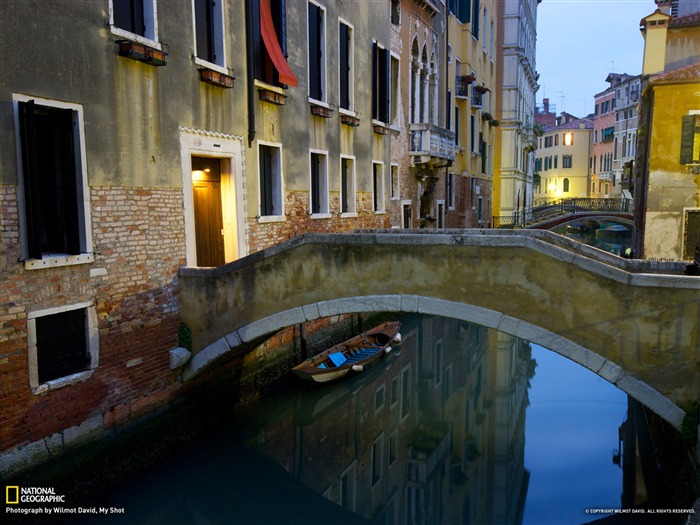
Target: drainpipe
250 72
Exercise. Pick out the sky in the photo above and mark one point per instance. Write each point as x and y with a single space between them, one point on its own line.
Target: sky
579 42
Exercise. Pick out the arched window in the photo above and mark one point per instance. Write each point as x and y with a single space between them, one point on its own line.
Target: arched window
566 185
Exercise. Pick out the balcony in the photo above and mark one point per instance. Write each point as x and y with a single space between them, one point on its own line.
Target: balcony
462 85
431 143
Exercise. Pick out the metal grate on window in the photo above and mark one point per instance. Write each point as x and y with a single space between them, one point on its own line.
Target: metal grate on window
691 235
61 344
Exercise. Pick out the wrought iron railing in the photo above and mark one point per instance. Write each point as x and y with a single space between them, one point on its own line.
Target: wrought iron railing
554 209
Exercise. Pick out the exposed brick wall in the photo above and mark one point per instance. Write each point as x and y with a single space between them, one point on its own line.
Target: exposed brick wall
263 235
138 238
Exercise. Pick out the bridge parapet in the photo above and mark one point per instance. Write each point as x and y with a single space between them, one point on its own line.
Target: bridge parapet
624 319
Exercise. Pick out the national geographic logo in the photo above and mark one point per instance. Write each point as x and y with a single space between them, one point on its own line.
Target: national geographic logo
15 495
12 495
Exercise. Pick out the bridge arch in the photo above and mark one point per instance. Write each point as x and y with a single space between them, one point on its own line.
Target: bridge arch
635 323
248 335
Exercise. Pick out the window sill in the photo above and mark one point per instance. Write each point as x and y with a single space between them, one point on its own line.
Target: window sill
122 33
210 65
271 218
142 53
61 382
324 215
57 260
320 109
348 215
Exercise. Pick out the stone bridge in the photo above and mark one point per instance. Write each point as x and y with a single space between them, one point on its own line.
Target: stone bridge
634 323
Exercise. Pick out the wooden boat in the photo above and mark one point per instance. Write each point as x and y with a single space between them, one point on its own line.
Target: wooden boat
353 355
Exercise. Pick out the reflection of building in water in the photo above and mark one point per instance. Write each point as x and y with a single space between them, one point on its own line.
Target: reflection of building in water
434 434
511 370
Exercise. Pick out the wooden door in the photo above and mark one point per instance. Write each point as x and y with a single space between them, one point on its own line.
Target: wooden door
208 217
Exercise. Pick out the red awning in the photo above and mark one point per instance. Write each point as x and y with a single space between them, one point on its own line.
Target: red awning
267 29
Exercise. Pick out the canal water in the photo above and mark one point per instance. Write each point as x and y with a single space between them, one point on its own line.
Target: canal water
610 236
458 424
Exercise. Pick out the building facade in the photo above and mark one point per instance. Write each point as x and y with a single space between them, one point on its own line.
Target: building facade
627 95
602 148
139 137
562 159
472 33
666 189
517 85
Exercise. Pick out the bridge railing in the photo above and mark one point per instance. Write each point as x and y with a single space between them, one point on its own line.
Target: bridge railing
557 208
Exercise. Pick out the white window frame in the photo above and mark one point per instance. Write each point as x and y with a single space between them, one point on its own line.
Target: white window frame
349 474
451 180
352 211
351 72
377 464
405 203
379 198
55 260
219 39
150 16
93 344
278 189
324 48
394 90
324 203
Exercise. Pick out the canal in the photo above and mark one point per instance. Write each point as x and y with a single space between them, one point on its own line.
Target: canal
459 424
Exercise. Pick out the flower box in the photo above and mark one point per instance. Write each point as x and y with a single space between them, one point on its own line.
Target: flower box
142 53
267 95
215 78
321 111
349 120
381 130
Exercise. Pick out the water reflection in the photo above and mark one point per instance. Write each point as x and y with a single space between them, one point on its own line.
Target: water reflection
611 236
434 434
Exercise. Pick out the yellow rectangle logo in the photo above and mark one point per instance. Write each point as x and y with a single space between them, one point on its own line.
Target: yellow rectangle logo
11 495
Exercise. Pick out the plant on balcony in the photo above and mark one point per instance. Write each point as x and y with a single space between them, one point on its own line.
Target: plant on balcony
481 89
538 128
486 116
495 123
468 78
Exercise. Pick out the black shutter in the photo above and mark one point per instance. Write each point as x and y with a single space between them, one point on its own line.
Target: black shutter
315 184
384 73
279 17
475 19
32 191
344 66
375 79
67 196
464 10
266 204
687 138
315 58
61 344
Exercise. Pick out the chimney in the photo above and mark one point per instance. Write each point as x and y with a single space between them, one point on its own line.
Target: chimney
664 6
545 103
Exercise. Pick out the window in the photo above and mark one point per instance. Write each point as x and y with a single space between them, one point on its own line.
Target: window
270 167
379 398
393 449
269 43
63 345
54 213
457 116
450 191
493 34
394 181
473 135
690 139
347 488
566 186
319 183
556 158
317 52
548 142
406 215
405 392
377 459
378 186
556 139
476 8
381 75
347 185
396 12
134 19
345 65
209 31
568 139
394 91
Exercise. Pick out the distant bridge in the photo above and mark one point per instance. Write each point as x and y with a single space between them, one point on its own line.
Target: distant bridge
634 323
547 216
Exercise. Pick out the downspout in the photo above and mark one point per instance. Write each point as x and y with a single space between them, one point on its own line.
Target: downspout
250 86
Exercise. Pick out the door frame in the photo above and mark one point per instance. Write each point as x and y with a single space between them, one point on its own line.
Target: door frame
229 149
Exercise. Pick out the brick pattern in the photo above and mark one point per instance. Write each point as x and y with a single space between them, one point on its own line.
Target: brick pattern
263 235
138 237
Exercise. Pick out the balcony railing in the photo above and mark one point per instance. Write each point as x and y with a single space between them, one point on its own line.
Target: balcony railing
462 85
429 141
